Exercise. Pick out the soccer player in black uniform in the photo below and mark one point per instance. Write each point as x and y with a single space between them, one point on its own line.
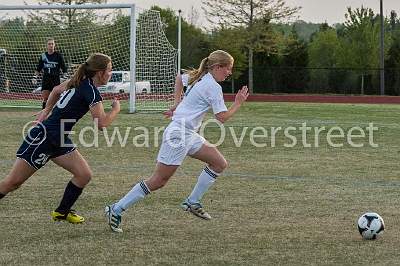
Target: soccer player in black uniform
49 140
51 63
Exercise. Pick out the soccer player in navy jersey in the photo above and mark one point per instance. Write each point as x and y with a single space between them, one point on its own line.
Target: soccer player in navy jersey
51 63
49 140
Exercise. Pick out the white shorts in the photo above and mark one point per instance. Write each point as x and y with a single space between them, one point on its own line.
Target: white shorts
177 143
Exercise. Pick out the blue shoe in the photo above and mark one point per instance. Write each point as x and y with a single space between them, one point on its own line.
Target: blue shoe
113 219
196 209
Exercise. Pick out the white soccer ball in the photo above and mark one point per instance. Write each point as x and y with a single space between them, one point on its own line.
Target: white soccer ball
370 225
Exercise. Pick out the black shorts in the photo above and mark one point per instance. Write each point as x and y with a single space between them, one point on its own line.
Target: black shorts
37 148
49 82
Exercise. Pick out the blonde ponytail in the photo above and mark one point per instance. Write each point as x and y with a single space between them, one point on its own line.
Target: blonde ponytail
217 57
196 74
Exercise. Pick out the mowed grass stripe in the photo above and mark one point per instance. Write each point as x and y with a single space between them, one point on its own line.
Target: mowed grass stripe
273 206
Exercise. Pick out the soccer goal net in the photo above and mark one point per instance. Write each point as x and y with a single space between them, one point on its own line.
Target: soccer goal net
144 62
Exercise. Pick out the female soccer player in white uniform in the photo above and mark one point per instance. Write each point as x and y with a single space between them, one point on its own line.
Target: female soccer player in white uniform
181 138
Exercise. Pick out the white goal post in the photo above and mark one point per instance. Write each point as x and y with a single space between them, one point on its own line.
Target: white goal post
144 62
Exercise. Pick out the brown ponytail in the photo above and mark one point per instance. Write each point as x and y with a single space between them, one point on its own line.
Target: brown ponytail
95 63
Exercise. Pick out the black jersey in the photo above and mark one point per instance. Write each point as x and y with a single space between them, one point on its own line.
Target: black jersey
72 106
51 64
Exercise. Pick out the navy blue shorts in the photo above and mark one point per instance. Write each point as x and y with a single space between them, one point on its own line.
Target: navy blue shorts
38 148
49 82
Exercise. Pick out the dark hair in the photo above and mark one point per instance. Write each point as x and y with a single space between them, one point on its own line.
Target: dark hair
95 63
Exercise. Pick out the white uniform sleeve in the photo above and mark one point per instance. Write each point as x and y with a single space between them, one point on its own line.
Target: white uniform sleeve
216 100
185 79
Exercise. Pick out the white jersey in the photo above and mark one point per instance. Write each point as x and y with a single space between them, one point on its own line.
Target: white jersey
185 80
205 94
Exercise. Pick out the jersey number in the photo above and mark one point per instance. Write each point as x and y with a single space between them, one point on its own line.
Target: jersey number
65 98
42 160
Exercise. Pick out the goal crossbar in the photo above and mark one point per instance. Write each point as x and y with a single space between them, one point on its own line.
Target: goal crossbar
86 6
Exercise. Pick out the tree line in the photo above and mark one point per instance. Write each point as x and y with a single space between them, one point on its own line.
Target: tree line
271 56
301 57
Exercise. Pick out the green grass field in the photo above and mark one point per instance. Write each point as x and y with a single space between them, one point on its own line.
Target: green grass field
273 205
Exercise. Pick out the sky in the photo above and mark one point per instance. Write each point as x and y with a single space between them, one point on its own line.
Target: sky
317 11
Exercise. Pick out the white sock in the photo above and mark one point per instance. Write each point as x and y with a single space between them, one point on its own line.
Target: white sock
204 182
138 192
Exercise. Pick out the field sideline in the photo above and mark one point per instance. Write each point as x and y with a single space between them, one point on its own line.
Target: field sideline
8 98
273 206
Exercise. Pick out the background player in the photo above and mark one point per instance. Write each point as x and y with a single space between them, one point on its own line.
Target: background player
51 63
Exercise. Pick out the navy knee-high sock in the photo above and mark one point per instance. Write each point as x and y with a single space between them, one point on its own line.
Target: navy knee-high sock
71 194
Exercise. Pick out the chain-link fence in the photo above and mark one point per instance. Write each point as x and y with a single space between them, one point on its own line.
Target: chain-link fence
347 81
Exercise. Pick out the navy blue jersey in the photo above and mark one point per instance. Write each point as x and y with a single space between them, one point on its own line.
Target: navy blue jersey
72 106
51 64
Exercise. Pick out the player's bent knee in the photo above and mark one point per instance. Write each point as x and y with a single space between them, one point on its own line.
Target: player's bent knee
157 182
219 166
84 177
87 178
161 182
88 174
224 164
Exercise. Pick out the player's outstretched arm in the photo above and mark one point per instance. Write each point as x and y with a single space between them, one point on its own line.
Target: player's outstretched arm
51 101
178 90
177 96
240 98
105 119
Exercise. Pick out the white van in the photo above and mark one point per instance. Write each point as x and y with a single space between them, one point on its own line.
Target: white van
120 83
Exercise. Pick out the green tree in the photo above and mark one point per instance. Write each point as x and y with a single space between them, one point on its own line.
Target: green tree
322 55
361 38
66 18
255 16
394 21
195 43
360 45
392 64
229 40
294 63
